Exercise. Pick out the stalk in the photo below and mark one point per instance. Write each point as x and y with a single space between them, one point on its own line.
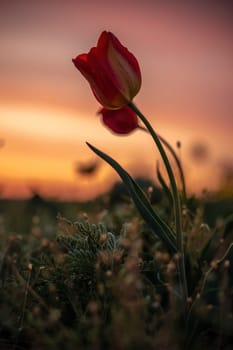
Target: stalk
176 201
177 160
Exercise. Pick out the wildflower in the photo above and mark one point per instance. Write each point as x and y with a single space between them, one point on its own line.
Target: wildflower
111 70
120 121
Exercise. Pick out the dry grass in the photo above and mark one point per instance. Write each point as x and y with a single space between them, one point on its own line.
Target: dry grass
85 284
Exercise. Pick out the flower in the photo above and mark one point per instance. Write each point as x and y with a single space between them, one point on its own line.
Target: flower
111 70
120 121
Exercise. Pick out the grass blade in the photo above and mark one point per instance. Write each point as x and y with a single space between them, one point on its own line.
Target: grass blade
161 229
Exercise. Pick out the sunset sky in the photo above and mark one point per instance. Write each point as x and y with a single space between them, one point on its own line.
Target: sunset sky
47 110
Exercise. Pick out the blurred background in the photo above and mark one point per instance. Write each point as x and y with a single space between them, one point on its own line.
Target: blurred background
47 110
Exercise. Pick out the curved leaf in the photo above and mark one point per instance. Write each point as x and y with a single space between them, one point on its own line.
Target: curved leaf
161 229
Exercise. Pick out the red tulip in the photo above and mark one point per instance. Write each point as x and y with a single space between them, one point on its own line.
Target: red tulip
111 70
120 121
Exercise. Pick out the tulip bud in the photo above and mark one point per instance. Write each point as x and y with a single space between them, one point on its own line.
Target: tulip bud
120 121
111 70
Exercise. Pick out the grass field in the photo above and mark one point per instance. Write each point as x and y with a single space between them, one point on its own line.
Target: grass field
94 276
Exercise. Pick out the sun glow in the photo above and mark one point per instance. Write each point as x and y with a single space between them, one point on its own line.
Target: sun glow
42 146
41 122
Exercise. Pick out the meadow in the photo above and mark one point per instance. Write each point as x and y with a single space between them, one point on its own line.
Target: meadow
92 275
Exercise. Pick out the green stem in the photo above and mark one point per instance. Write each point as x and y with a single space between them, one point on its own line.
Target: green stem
177 160
177 205
178 163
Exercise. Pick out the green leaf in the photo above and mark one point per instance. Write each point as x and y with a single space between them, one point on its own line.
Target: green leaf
163 184
160 228
209 250
228 256
228 226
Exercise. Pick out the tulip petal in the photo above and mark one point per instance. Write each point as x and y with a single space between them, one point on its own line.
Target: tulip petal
120 64
103 40
82 65
103 81
111 70
120 121
129 81
124 55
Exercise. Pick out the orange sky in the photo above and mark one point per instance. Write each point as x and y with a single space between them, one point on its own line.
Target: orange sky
47 110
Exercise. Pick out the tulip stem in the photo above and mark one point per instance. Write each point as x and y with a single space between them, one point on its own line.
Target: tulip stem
176 158
177 205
